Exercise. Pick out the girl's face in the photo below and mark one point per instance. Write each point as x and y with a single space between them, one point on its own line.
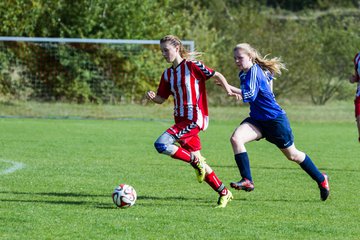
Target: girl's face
169 52
242 60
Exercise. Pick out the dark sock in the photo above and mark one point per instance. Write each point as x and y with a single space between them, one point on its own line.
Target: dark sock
309 167
243 163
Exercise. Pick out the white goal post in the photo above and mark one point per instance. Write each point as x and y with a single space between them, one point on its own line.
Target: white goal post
191 44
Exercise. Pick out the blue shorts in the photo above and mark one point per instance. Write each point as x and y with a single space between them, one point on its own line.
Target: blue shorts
276 131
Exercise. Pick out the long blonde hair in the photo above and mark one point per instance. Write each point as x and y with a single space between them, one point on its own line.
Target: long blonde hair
274 65
175 41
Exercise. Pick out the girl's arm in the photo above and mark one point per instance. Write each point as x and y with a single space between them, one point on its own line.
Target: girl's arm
231 90
235 90
150 95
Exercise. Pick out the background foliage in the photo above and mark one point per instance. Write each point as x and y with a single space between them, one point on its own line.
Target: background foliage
317 39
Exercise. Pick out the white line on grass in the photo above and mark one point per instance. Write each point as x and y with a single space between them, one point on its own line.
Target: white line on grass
14 166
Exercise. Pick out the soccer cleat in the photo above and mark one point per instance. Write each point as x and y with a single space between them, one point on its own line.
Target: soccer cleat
224 199
244 184
199 156
324 188
199 166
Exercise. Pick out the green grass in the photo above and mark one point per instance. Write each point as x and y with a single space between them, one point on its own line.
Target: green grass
71 167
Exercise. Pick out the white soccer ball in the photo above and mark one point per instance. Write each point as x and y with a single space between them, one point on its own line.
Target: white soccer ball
124 196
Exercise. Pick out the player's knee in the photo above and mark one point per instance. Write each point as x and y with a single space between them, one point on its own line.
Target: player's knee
232 140
291 157
236 141
160 147
294 157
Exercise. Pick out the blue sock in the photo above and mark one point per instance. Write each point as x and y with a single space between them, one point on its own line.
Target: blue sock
309 167
243 163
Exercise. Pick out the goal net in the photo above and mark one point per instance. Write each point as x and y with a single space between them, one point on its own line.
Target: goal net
79 70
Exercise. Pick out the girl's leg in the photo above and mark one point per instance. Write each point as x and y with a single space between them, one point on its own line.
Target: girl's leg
181 132
187 135
293 154
215 183
243 134
165 144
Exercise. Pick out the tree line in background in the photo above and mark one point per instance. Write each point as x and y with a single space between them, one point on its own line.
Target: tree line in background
317 40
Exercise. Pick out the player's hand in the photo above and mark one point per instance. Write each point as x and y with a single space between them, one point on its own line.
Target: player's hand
238 97
235 95
150 95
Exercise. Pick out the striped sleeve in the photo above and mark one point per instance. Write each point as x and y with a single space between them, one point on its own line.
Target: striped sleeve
204 70
268 75
250 87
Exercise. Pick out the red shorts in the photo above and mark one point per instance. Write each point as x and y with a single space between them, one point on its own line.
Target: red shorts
186 133
357 106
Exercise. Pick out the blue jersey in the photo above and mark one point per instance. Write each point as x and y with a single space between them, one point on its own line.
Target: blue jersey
255 87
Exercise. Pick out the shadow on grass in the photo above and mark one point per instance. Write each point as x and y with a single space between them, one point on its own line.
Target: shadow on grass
146 200
291 167
61 195
143 200
56 194
96 204
46 201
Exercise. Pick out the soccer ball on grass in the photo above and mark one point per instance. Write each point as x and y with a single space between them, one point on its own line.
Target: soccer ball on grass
124 196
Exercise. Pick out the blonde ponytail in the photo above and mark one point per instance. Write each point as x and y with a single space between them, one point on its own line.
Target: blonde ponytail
274 65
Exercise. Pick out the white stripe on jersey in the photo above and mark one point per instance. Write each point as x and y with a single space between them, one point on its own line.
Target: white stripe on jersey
200 117
197 89
252 84
166 76
180 91
171 81
189 93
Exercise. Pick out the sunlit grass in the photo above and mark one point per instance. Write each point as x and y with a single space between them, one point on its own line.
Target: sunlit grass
72 166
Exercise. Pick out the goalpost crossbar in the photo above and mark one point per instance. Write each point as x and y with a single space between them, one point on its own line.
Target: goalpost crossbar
191 44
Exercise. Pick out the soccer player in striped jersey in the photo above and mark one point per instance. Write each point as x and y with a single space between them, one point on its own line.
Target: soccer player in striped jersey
267 119
185 81
356 79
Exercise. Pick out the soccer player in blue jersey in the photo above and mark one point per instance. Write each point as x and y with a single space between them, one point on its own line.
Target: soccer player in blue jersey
267 119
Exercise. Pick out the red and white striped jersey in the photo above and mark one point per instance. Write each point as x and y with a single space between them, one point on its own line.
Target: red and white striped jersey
357 72
186 83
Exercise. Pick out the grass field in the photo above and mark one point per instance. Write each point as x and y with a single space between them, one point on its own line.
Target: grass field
68 168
